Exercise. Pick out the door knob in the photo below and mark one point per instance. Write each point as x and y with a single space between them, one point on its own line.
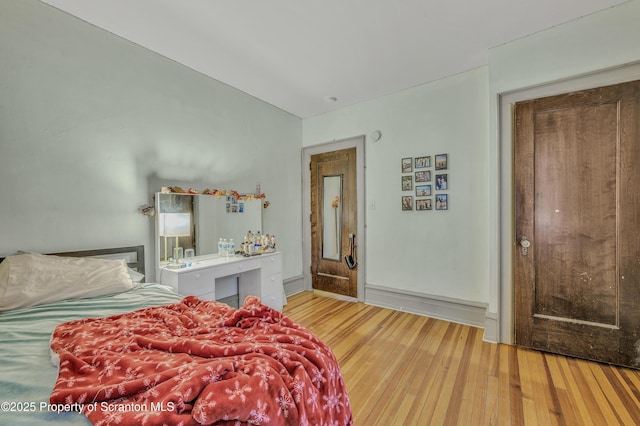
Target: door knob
524 245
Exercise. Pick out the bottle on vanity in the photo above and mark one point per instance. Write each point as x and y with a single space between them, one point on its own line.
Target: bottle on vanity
220 247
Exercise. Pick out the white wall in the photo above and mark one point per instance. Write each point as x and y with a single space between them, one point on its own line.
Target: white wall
588 52
90 122
431 252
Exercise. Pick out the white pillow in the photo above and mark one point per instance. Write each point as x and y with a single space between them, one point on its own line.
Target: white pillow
34 279
136 276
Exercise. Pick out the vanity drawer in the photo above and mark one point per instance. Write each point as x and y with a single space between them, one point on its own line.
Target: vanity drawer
272 291
271 264
273 300
237 267
197 283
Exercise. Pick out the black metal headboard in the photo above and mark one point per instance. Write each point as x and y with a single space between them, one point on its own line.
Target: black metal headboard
134 255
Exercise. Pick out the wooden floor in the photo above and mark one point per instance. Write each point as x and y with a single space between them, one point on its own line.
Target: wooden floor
404 369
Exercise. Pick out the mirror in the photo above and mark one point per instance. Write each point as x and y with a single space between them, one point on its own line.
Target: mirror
195 221
331 217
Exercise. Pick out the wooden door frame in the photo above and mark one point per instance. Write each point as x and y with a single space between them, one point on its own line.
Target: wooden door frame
503 240
355 142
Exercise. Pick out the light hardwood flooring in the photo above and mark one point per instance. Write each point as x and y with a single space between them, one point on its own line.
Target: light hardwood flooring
405 369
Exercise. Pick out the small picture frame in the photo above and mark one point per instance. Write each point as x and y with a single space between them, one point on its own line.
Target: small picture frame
442 162
423 190
442 182
424 204
407 165
442 202
424 176
422 162
407 183
407 202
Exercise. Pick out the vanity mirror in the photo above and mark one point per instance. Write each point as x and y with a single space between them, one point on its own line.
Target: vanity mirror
196 221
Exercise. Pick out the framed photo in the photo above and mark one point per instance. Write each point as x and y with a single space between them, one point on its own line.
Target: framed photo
407 183
407 203
423 204
442 201
442 182
424 176
407 165
441 161
423 190
422 162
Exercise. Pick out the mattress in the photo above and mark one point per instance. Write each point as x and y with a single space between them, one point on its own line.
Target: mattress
27 374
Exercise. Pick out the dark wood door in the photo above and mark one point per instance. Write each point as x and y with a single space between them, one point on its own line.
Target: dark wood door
577 197
334 222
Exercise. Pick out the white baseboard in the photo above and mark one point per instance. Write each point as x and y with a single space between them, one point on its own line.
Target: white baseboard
293 285
491 327
445 308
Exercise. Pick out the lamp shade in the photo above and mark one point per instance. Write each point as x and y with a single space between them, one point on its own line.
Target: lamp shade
175 224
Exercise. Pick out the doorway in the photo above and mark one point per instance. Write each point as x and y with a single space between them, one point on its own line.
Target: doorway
334 222
333 218
577 191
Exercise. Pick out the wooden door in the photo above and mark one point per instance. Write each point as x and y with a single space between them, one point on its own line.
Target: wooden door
577 197
334 222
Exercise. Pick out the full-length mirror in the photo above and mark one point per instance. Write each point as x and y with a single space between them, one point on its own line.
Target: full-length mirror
194 221
331 217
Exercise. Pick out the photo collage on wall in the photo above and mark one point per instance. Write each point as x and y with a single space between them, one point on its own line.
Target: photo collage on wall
421 182
234 205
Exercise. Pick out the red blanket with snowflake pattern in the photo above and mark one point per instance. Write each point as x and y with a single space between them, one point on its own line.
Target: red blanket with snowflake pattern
199 362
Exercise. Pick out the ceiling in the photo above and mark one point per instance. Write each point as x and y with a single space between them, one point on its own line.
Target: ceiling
297 54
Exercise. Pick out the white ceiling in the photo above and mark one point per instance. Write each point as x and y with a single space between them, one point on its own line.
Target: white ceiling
296 53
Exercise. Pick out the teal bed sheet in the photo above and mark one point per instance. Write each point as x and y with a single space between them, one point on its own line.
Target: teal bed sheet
27 374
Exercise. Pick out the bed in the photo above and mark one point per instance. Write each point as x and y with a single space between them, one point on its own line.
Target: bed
147 355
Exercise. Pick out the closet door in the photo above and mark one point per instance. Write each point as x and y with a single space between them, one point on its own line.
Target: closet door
577 254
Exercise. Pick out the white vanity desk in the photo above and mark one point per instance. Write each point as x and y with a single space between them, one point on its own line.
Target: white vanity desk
257 275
